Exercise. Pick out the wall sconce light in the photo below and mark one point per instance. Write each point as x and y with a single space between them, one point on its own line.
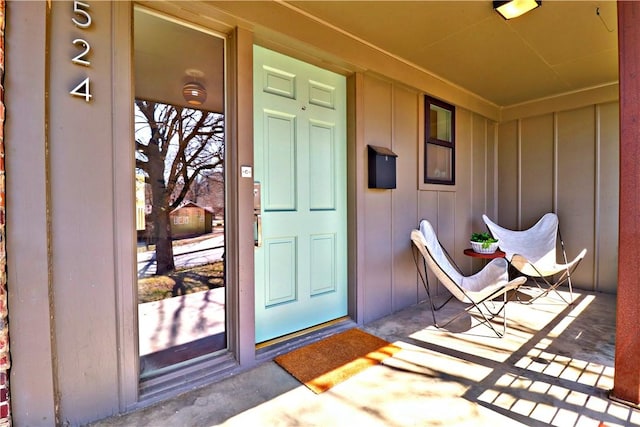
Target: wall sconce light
194 93
514 8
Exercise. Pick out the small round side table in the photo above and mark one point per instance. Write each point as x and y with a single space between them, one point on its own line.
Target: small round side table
497 254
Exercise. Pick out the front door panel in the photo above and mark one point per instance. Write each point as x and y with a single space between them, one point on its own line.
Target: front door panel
300 164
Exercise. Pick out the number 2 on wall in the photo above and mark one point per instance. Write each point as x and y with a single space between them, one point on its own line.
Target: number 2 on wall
80 58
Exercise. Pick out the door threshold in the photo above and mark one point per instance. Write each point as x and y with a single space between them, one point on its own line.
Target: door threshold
302 333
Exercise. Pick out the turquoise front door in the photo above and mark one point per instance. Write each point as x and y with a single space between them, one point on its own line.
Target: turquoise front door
300 168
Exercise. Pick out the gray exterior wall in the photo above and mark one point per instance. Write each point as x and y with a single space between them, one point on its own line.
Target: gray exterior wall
70 191
392 116
32 373
61 205
567 162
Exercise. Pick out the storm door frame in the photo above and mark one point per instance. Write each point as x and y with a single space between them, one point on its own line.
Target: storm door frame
134 393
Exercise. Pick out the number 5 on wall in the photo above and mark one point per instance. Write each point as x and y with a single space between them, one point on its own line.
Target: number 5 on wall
85 17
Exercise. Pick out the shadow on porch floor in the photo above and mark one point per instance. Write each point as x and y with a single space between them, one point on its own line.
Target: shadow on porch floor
554 367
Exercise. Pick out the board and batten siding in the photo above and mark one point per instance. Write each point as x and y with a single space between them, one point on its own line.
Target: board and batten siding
392 117
567 162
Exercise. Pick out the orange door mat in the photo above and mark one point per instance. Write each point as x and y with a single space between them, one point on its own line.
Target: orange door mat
328 362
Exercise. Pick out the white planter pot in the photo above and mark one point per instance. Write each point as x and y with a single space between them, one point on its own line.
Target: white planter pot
477 247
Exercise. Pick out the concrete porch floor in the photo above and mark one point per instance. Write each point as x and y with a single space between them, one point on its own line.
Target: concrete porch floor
553 367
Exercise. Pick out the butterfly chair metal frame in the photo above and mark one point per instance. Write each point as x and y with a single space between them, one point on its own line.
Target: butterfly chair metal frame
532 252
496 283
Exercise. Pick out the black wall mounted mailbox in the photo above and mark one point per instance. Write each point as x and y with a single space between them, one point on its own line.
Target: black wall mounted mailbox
382 167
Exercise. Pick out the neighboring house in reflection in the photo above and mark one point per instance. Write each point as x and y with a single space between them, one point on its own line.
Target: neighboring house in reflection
190 220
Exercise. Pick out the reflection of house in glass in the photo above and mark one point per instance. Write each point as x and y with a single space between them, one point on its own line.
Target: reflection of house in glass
190 220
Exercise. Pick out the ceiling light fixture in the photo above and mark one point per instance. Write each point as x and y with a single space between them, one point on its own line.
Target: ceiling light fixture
194 92
514 8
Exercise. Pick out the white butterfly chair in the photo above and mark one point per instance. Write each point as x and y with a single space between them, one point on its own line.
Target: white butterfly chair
478 290
533 253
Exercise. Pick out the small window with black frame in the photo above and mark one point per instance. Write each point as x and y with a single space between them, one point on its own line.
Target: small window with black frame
440 142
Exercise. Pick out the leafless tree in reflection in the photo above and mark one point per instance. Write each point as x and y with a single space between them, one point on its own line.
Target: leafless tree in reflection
177 150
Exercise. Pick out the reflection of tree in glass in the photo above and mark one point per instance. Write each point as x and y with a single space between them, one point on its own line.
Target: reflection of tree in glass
176 148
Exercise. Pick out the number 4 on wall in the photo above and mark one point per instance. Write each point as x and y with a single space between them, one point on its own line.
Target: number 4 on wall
82 90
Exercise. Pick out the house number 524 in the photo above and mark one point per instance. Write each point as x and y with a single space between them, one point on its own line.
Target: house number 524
82 19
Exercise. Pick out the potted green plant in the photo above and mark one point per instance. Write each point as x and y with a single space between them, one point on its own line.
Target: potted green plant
484 243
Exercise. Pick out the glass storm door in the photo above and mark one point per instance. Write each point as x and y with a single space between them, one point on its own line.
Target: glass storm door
300 174
179 145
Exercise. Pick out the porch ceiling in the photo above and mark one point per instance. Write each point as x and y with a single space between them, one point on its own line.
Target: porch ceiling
560 47
563 46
